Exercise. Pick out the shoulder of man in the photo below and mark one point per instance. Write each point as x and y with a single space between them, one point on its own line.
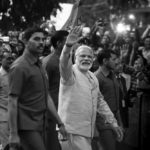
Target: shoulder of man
18 63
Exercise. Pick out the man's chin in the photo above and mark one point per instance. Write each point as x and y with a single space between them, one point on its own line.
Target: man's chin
85 68
40 54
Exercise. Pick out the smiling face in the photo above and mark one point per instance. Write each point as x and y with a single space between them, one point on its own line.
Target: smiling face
84 58
36 43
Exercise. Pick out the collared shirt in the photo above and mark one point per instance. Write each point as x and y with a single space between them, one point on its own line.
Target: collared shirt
110 88
29 82
4 89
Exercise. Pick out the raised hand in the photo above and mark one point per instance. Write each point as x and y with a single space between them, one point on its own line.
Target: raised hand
124 49
73 36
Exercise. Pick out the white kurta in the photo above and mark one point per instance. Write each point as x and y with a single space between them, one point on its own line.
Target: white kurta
78 103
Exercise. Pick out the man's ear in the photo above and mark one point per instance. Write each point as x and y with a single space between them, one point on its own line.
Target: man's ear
105 61
74 57
58 43
25 41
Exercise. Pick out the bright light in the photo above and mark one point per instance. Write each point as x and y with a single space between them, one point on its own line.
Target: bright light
121 28
85 31
62 15
46 29
11 2
128 27
131 17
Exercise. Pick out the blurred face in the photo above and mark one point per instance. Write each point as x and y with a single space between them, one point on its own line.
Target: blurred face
100 31
36 43
111 62
127 39
138 64
84 59
118 66
19 47
147 43
7 60
132 35
1 42
105 40
14 41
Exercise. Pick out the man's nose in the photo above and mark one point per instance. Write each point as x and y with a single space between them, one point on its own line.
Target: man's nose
41 41
87 57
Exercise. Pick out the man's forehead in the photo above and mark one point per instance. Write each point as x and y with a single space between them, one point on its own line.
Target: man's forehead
84 50
37 34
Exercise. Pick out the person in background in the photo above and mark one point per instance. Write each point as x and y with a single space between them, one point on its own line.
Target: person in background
20 48
146 48
123 93
7 60
13 42
109 87
1 43
51 64
28 96
1 51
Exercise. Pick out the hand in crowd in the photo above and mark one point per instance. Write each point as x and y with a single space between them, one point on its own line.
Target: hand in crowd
124 49
118 131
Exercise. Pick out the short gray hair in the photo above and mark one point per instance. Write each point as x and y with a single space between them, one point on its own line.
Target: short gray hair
83 47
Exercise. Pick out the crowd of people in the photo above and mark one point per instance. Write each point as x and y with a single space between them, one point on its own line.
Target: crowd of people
83 89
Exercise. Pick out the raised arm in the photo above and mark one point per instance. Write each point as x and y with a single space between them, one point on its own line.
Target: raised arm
66 58
146 32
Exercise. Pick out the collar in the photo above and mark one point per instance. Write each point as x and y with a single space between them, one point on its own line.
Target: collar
30 57
106 74
3 71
